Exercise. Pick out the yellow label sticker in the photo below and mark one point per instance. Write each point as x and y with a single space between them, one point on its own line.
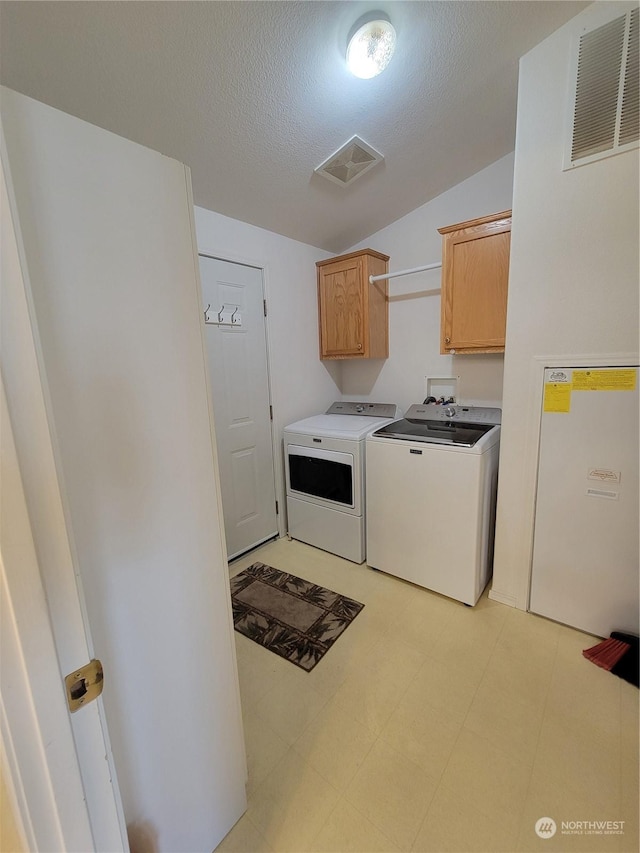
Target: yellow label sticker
620 379
557 397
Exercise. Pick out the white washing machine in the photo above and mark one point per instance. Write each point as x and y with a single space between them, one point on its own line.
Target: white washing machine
325 471
431 494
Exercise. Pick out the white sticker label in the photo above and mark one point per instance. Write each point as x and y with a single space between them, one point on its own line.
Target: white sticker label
604 475
599 493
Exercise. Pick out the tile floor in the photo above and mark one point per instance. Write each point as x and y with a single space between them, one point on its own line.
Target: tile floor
431 726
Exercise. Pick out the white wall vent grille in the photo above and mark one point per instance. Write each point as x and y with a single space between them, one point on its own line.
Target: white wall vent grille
630 114
605 108
349 162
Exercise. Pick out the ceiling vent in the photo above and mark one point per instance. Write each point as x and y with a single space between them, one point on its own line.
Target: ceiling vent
349 162
605 117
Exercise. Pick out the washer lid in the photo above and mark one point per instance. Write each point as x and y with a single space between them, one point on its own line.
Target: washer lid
353 427
436 432
463 426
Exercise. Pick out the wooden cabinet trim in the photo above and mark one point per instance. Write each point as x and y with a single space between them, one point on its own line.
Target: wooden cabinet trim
360 253
483 232
475 223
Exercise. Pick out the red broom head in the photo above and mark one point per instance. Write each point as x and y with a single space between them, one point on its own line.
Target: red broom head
607 653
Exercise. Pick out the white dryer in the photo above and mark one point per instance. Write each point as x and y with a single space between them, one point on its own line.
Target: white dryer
431 494
325 472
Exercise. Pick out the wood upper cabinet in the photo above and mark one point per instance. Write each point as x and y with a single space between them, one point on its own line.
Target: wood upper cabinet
475 275
353 314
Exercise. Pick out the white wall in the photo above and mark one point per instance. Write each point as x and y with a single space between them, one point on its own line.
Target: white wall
301 384
414 301
573 283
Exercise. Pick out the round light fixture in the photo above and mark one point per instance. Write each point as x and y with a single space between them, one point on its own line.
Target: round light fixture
371 44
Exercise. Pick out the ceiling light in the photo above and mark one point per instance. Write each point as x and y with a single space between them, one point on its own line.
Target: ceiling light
371 44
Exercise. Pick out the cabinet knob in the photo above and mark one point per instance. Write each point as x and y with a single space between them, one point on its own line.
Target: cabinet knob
447 340
359 346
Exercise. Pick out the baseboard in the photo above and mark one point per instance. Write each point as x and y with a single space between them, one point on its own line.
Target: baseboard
496 595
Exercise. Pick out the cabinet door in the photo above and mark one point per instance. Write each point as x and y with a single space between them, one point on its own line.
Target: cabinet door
475 282
342 307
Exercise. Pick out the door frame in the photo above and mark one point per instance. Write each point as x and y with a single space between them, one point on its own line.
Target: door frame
45 784
278 461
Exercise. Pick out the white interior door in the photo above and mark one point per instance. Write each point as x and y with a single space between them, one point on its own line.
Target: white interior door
115 312
237 354
66 792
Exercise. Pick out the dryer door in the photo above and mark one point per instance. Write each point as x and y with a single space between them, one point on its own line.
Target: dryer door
326 477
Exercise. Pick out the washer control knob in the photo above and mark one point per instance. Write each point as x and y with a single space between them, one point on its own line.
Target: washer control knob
450 412
359 408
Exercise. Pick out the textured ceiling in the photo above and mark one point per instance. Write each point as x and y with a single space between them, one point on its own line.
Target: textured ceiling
254 95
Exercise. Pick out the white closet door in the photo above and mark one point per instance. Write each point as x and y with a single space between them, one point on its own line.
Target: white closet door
585 553
237 353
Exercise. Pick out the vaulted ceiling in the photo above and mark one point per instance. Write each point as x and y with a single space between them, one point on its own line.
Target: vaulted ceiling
252 96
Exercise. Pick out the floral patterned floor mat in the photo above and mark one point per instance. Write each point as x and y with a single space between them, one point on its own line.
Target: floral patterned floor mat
292 617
